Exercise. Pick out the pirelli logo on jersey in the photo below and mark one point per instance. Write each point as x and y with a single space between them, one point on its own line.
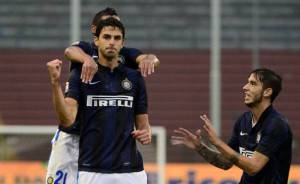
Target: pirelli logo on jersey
109 101
245 152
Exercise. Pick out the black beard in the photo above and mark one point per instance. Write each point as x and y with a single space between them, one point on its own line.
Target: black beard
108 57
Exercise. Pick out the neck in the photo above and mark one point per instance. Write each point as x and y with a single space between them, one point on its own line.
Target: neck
258 110
108 62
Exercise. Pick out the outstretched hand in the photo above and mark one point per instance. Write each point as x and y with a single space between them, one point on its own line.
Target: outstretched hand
185 137
209 130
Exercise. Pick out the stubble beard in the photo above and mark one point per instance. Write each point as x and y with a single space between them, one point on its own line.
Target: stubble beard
108 57
257 100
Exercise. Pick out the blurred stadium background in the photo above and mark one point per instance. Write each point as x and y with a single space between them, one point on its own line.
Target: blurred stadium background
253 33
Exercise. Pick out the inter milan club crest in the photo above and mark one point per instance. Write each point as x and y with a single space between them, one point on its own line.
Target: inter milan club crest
126 84
121 59
258 136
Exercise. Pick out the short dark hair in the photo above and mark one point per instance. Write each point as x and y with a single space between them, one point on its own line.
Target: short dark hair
107 11
110 22
269 79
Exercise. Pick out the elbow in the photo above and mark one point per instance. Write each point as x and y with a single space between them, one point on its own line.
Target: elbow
252 171
67 52
66 122
227 167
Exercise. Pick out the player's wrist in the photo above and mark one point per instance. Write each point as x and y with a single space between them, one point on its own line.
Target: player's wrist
199 147
55 82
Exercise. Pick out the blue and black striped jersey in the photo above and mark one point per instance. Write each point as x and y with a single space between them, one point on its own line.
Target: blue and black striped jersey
127 57
107 110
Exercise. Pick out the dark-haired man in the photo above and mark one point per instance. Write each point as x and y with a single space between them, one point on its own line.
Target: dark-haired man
112 110
261 143
83 53
62 165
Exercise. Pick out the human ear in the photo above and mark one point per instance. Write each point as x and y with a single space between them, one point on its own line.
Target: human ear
93 29
268 92
95 38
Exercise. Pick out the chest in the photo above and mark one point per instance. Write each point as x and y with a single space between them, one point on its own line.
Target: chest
110 83
109 90
249 138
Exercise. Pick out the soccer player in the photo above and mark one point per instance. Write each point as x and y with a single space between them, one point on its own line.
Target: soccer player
85 52
63 162
261 143
109 108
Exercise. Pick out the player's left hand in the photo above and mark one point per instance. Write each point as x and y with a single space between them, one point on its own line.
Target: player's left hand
209 130
147 65
143 136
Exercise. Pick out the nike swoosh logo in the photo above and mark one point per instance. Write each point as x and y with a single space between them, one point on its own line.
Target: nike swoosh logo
92 83
243 133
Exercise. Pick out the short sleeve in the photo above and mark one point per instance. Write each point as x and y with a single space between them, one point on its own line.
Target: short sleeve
130 55
141 103
73 85
86 47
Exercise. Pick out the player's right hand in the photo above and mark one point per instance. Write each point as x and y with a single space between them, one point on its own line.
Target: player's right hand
54 69
89 68
185 137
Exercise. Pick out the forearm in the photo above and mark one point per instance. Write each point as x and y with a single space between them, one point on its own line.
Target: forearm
249 165
76 54
65 116
142 123
213 157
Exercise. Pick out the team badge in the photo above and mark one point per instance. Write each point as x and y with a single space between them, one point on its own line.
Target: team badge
121 59
50 180
258 136
126 84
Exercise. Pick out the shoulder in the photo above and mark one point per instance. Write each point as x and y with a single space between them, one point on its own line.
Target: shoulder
245 117
127 51
133 75
132 72
86 46
278 121
277 125
81 43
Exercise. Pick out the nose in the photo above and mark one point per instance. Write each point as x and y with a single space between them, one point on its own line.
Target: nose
245 87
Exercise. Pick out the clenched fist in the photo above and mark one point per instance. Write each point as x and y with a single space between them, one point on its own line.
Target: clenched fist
54 69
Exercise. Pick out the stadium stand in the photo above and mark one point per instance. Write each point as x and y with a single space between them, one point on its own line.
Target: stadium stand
32 31
178 92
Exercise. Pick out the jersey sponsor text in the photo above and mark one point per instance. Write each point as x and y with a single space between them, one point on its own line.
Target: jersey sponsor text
109 100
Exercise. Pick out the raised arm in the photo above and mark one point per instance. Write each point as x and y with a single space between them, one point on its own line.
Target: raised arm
250 165
66 108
